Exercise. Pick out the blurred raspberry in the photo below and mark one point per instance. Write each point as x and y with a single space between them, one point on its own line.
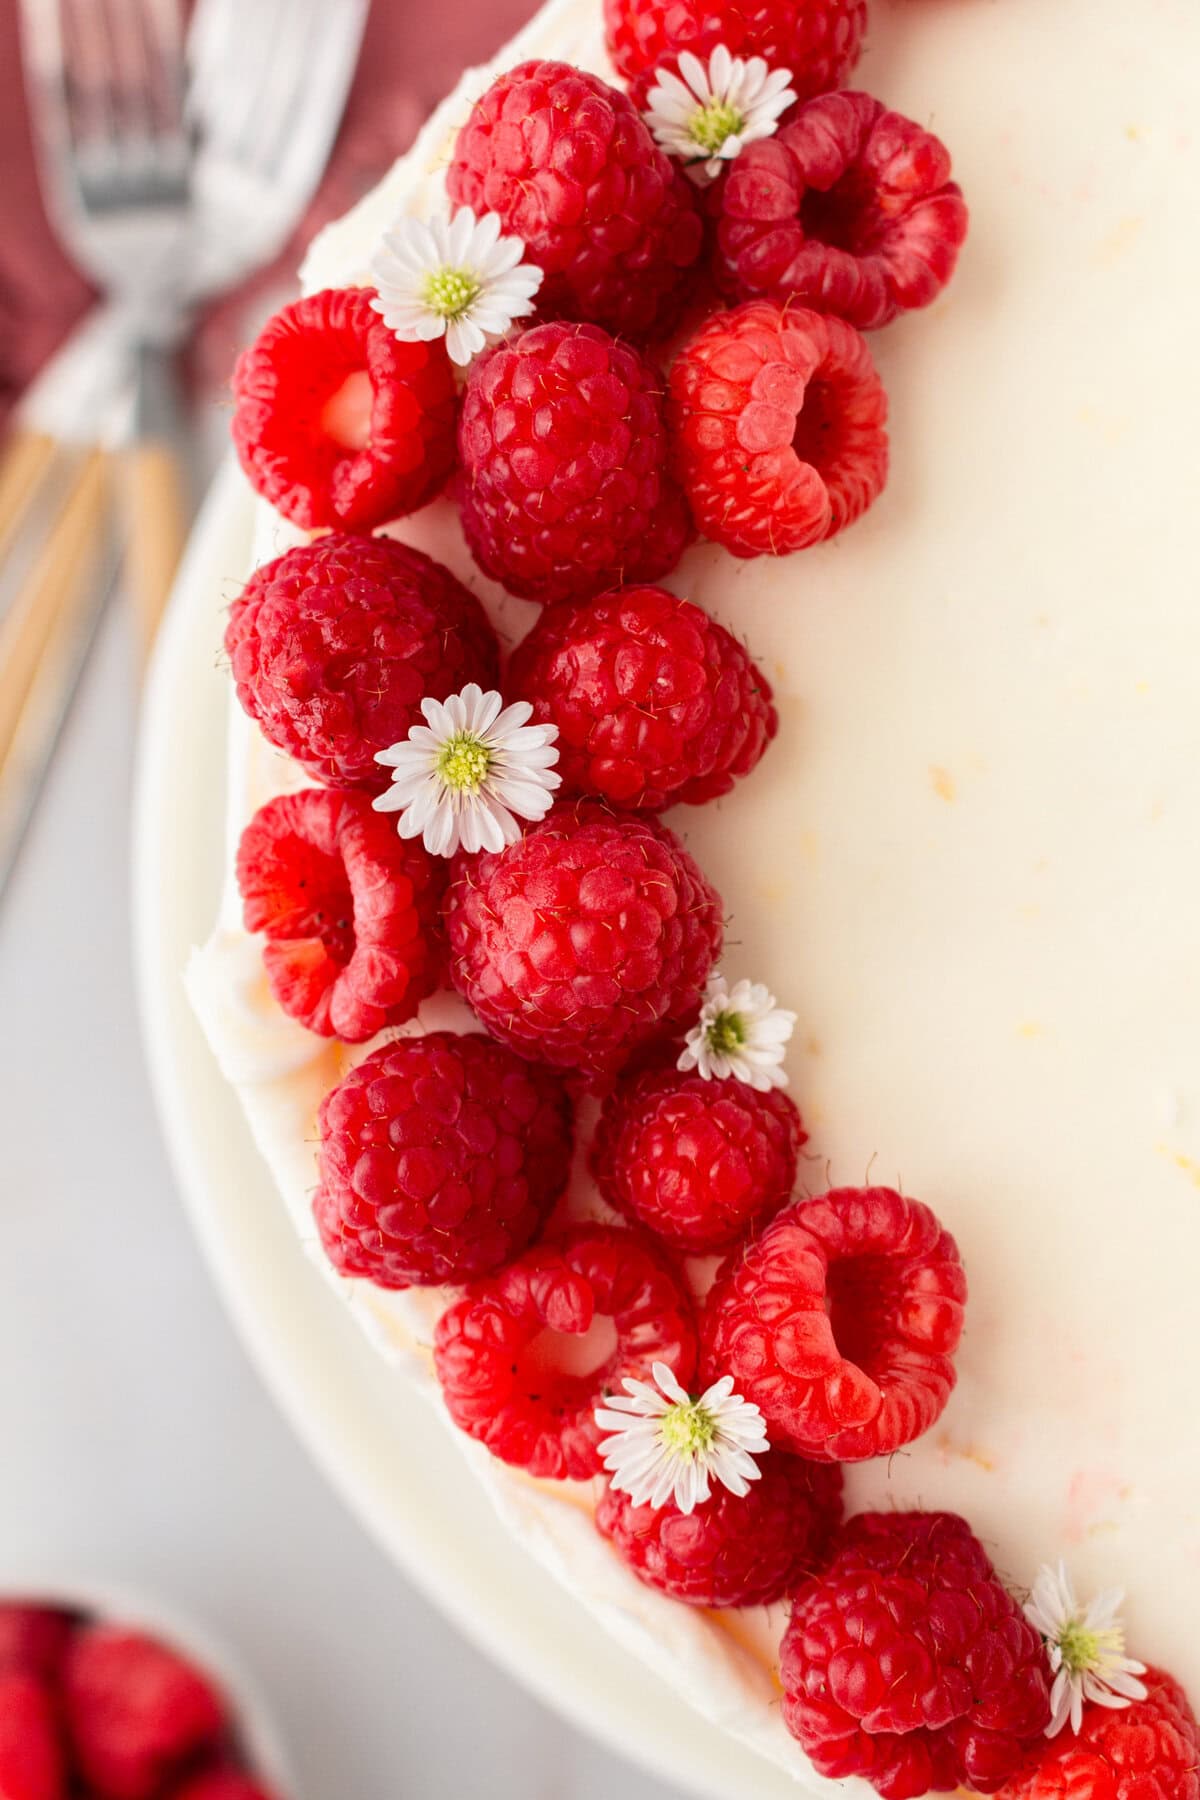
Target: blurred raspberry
565 489
655 703
1149 1750
335 644
336 421
818 40
572 170
32 1638
136 1712
777 422
350 911
907 1662
31 1759
509 1380
840 1322
589 937
848 209
695 1161
221 1784
732 1551
440 1159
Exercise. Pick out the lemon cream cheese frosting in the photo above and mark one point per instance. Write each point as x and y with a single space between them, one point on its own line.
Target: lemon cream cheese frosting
969 861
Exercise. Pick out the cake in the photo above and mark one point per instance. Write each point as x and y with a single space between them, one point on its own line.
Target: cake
965 862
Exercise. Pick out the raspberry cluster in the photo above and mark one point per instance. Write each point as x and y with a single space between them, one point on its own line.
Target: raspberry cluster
590 450
102 1711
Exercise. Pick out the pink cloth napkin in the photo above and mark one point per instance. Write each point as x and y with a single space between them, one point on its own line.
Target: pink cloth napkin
413 53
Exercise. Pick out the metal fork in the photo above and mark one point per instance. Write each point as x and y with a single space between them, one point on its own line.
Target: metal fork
108 80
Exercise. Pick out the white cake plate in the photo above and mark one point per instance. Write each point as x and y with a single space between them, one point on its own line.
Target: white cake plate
366 1431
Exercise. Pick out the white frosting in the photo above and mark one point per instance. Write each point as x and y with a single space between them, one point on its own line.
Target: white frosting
970 860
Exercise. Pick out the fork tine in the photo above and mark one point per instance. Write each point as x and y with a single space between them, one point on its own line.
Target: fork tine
227 41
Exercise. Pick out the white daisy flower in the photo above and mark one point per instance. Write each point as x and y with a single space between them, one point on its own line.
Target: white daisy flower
704 116
1086 1647
470 772
742 1033
456 278
664 1445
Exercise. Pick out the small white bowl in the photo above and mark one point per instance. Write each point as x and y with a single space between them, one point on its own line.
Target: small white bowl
111 1603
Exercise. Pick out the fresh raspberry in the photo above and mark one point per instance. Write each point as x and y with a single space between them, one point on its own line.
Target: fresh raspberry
564 488
221 1784
1149 1750
695 1161
508 1383
351 912
908 1663
135 1711
31 1759
655 703
730 1551
818 40
339 423
335 644
571 168
440 1158
777 418
32 1639
590 936
840 1321
849 209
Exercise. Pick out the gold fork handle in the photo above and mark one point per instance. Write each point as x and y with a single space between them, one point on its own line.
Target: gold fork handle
47 595
24 464
157 514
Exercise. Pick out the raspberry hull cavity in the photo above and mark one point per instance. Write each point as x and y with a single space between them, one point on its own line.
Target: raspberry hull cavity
849 209
840 1321
441 1158
501 1360
336 421
777 419
351 914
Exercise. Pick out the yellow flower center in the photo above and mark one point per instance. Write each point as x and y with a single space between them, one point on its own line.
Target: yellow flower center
726 1034
449 292
714 123
463 762
688 1428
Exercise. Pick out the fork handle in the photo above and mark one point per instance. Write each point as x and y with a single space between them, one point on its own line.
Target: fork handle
156 496
26 458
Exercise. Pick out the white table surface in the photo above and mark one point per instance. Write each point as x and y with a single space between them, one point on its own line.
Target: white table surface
135 1440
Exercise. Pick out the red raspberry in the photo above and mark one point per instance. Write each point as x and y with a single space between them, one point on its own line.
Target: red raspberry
590 936
655 702
440 1158
135 1711
565 489
351 912
777 418
1149 1750
573 171
908 1663
695 1161
849 209
339 423
508 1383
335 644
221 1784
32 1639
730 1551
840 1321
31 1760
818 40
